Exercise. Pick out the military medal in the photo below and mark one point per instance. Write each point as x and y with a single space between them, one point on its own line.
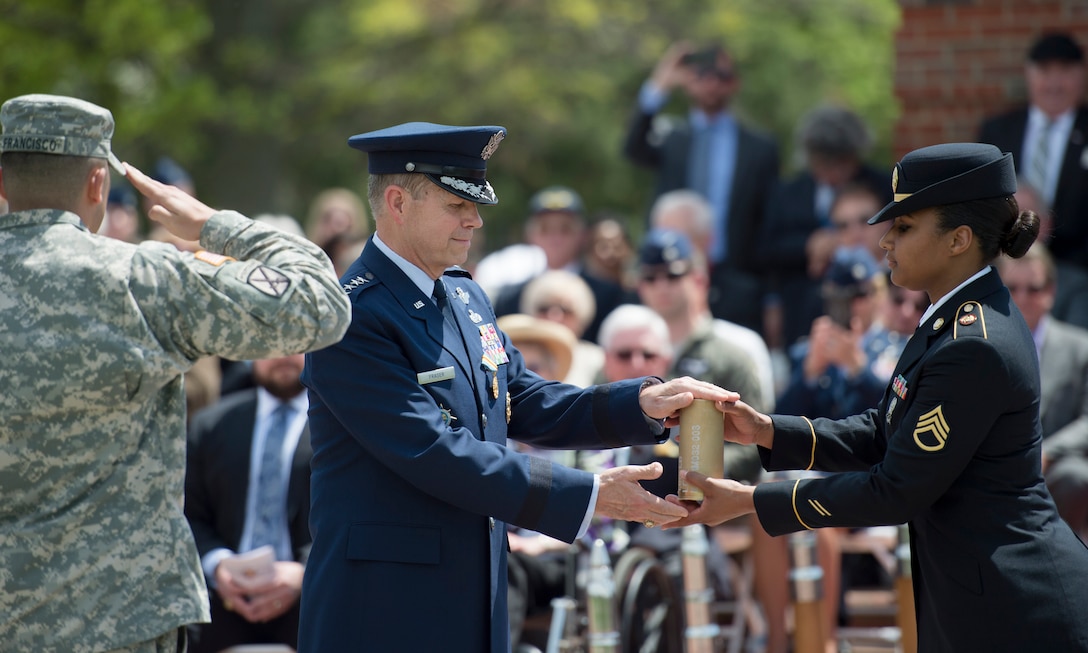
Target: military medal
447 416
899 387
495 384
507 407
891 409
492 344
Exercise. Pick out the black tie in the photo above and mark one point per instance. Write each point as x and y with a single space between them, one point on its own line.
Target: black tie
443 301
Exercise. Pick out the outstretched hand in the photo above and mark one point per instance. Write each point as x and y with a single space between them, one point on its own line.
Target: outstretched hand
723 499
182 214
621 497
664 400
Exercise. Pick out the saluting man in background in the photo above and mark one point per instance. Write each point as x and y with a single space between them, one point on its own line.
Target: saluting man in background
412 481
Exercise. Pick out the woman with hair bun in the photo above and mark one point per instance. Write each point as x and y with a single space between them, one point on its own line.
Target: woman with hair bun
953 448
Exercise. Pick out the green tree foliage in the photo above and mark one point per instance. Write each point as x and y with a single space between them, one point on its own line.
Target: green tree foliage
257 97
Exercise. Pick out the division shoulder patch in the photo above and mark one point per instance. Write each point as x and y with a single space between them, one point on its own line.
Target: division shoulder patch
270 282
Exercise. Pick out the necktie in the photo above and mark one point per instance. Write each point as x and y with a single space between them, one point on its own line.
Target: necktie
443 300
1040 161
271 490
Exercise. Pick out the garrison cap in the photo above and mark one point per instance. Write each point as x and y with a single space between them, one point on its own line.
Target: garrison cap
949 173
557 199
666 248
455 158
55 124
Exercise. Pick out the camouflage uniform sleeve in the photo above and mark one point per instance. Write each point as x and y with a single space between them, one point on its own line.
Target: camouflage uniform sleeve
263 293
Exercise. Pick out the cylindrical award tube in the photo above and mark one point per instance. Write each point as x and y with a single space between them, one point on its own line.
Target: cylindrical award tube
702 445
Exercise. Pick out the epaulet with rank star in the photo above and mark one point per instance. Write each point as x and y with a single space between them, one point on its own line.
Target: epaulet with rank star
364 279
970 321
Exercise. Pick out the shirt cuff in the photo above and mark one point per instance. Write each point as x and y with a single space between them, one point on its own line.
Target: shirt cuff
584 528
211 561
651 99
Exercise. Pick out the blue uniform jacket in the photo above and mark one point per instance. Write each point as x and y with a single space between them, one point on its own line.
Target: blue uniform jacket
412 481
954 448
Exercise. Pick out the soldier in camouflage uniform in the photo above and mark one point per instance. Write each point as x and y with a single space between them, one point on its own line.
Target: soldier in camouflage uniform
95 552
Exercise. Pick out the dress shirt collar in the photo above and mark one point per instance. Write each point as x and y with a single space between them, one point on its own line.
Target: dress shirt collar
266 403
701 120
940 302
421 279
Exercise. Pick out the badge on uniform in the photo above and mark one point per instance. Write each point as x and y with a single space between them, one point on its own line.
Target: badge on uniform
490 364
932 430
270 282
899 387
461 294
492 344
474 316
891 409
447 416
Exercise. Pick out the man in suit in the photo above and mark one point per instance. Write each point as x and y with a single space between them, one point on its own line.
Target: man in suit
1049 140
412 479
799 237
1063 368
247 485
731 165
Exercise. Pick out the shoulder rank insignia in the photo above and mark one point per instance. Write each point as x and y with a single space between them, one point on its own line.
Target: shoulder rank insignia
970 315
932 430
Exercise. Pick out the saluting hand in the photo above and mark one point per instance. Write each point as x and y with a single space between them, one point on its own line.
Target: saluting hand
182 214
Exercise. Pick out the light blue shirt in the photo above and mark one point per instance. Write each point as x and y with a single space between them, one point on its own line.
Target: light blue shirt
266 403
723 133
1057 139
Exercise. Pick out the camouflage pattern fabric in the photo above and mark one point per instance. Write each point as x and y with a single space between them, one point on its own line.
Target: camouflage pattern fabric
95 551
55 124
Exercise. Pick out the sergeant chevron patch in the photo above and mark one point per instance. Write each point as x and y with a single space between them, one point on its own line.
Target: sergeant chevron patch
932 430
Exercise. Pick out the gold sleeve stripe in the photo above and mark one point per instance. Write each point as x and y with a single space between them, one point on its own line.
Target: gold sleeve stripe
812 458
795 513
819 508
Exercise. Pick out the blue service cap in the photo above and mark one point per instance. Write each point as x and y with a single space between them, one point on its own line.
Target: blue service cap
558 199
851 268
168 171
668 248
455 158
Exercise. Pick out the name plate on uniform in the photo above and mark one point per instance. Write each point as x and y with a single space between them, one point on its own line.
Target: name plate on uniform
441 374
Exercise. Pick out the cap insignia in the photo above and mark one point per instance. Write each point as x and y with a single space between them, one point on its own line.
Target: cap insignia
895 178
492 145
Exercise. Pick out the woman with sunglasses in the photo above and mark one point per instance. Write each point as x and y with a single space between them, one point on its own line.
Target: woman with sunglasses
953 448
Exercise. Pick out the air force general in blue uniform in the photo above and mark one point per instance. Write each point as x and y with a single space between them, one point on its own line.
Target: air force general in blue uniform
412 479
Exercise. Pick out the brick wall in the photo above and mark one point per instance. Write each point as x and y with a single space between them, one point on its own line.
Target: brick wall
959 61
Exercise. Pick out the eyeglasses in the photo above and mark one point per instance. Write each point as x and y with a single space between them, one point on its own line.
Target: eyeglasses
1015 289
626 355
544 309
672 277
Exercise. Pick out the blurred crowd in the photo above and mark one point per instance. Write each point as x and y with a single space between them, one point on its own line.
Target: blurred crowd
769 284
